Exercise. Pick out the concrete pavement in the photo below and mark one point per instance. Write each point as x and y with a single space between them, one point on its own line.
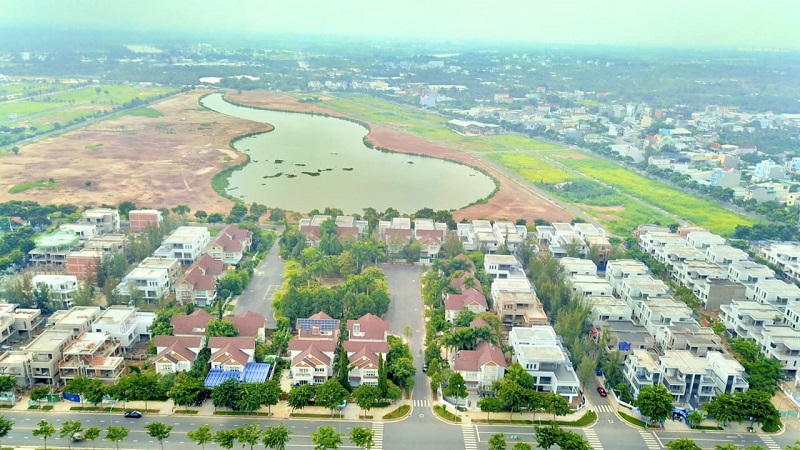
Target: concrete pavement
267 278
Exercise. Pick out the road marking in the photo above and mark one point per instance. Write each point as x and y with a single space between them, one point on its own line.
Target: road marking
468 432
592 439
769 442
377 435
421 403
603 408
649 440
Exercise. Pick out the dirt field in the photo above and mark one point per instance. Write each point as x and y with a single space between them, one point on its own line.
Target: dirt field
513 201
153 162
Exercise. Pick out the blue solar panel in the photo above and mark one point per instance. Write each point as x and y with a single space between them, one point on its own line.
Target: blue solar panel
217 376
304 325
255 373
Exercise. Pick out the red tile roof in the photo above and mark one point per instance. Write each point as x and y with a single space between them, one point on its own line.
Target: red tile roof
473 360
313 351
458 283
366 346
180 345
478 322
372 328
325 345
248 324
457 302
191 324
231 348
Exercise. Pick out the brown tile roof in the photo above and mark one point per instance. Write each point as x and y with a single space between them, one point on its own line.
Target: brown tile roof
227 244
199 280
313 354
191 324
473 360
458 283
180 345
366 347
478 322
457 302
325 345
211 266
248 323
321 316
372 328
231 348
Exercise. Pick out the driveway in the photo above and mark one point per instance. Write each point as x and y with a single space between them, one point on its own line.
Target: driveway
267 278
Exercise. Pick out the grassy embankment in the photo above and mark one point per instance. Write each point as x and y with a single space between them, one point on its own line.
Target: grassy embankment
33 185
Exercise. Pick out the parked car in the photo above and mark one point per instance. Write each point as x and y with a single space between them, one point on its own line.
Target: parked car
425 367
133 415
601 391
78 437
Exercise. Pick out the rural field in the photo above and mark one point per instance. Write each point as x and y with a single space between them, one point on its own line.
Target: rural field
51 110
159 156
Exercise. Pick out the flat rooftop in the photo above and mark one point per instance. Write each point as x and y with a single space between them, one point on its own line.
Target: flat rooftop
56 239
536 334
50 341
86 344
115 315
77 315
511 284
684 361
500 259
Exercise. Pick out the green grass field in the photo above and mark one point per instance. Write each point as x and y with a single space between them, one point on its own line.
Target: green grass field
32 185
145 112
620 213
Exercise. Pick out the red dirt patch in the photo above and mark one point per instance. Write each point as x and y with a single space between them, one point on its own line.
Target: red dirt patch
153 162
513 200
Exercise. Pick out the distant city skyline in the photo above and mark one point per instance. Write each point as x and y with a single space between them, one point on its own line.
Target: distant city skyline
676 23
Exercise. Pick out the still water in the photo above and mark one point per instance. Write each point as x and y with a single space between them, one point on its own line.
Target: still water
312 162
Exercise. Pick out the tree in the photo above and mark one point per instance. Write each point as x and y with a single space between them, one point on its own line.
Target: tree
522 446
383 377
68 429
655 402
7 383
220 328
5 428
92 434
158 431
695 417
513 395
251 397
366 396
215 218
271 394
181 210
326 438
331 394
490 405
15 150
572 441
225 438
497 442
556 405
682 444
249 434
185 390
45 430
201 436
40 394
362 437
87 183
547 437
200 214
456 387
277 437
300 396
226 394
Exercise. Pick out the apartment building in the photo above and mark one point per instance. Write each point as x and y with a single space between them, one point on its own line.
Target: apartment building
84 264
620 269
540 351
53 248
93 355
143 218
774 292
62 288
125 324
76 320
746 318
186 244
104 219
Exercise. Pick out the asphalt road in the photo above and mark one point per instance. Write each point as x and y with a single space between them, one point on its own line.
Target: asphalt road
267 278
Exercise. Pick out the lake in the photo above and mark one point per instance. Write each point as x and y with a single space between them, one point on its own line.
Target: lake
313 162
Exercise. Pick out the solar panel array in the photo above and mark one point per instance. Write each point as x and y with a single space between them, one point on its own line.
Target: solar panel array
305 325
218 376
252 373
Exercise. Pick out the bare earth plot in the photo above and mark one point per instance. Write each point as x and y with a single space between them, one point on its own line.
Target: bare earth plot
512 201
153 162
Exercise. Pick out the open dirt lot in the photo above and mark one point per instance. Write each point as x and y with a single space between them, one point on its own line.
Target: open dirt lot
153 162
513 201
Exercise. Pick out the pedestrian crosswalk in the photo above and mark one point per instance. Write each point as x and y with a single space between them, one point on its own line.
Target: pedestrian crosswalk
420 403
377 435
769 442
603 408
592 439
649 440
469 437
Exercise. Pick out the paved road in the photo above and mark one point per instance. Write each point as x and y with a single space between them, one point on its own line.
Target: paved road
422 429
267 278
24 422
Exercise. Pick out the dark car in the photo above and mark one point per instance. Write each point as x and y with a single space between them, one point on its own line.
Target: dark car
425 367
601 391
133 415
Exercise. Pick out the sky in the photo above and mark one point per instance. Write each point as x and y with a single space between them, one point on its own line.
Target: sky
665 23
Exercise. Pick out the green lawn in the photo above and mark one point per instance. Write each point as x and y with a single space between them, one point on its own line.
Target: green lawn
145 112
532 168
32 185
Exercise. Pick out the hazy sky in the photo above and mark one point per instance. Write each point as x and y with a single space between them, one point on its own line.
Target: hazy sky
730 23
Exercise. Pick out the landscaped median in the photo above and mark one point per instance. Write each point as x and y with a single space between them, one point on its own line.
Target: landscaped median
442 412
398 413
585 420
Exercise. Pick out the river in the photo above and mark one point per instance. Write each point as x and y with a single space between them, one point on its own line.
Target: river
313 162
